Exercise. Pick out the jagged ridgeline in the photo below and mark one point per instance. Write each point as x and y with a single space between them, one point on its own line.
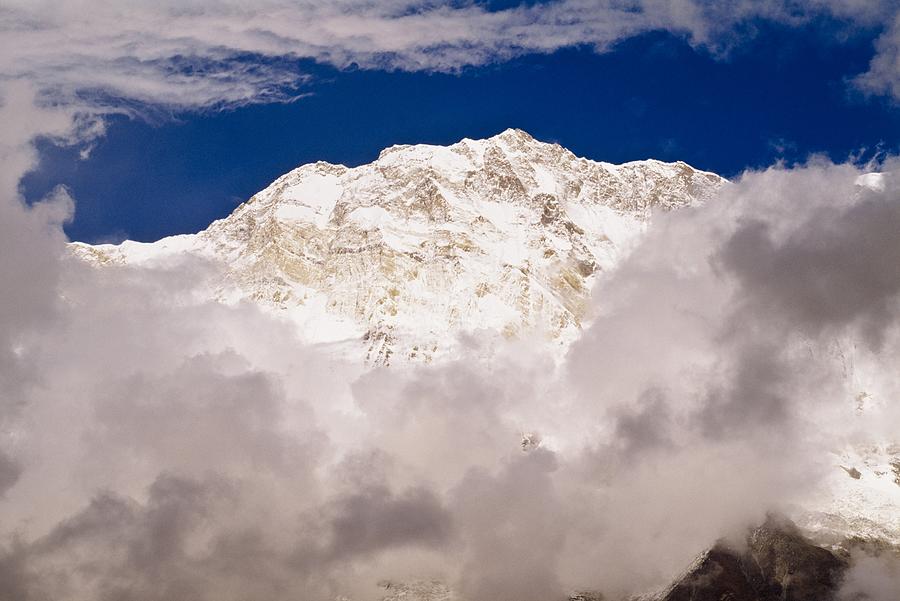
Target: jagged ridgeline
391 261
396 261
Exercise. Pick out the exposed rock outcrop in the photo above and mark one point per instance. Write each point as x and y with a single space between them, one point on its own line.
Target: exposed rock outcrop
777 564
393 260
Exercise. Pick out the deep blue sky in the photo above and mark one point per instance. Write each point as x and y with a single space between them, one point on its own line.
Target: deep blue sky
782 95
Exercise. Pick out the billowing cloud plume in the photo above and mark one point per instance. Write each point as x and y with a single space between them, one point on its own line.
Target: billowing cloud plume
166 446
157 445
871 579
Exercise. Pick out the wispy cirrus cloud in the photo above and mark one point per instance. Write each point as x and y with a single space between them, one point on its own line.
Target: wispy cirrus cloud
223 53
883 76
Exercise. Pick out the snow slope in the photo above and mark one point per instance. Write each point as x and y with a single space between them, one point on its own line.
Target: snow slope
397 259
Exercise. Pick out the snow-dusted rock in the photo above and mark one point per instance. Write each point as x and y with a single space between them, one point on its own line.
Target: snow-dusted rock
396 259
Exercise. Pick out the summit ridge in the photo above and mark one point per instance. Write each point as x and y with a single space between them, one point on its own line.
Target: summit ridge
396 259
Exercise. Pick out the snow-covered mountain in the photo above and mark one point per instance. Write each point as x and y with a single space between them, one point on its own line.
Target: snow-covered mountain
396 259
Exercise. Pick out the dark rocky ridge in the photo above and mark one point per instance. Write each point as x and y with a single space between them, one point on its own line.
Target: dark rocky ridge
777 564
774 562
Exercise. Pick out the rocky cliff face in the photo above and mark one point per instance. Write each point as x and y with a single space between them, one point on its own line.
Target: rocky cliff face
396 259
776 563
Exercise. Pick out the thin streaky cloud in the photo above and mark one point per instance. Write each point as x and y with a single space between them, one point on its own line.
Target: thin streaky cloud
220 54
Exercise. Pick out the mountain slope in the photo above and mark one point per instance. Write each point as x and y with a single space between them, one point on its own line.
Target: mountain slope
398 258
776 563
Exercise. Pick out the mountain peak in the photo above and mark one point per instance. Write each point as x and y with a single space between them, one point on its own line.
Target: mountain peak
399 258
514 134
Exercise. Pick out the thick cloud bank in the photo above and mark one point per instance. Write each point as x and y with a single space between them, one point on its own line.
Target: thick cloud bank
157 445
